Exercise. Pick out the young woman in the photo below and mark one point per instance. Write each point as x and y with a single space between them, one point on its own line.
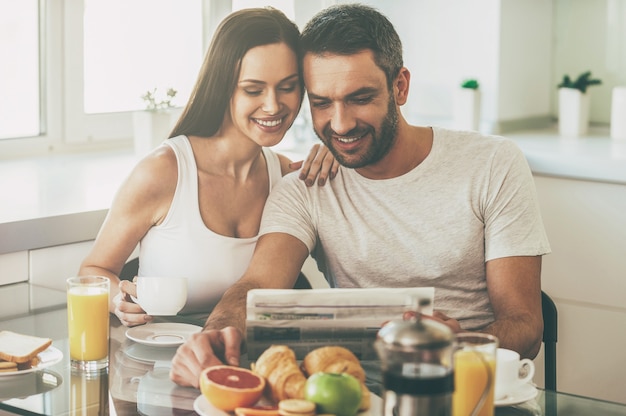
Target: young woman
194 204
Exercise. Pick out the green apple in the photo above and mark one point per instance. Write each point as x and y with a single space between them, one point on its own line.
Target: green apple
338 394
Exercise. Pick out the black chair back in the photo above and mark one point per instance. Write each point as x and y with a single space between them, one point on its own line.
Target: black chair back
130 269
550 332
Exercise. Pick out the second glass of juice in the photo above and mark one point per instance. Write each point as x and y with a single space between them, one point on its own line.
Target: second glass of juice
474 374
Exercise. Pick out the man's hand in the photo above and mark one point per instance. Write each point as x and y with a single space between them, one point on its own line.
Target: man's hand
207 348
451 323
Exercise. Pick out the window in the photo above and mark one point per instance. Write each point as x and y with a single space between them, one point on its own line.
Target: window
115 51
78 68
19 71
131 47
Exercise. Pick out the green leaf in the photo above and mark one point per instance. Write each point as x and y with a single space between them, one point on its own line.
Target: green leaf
470 84
582 82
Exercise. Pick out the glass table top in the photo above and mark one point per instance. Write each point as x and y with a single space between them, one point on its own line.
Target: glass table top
137 381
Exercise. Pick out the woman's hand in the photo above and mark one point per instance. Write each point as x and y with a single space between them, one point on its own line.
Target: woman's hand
319 164
128 312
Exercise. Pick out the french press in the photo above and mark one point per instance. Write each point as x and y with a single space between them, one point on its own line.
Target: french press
417 366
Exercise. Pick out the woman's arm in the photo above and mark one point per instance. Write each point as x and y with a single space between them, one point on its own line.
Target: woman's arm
141 202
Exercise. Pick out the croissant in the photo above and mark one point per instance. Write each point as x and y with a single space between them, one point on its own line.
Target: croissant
279 367
335 359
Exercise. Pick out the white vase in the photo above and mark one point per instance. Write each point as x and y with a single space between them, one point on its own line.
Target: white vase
573 112
467 109
151 128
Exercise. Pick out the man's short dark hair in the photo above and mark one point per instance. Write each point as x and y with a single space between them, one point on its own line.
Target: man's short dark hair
346 29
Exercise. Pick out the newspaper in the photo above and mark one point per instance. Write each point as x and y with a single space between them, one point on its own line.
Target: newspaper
311 318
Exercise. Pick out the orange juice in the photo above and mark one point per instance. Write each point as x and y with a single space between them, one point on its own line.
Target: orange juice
88 322
471 370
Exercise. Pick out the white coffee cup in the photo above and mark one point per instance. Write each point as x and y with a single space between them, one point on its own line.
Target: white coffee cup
511 372
161 295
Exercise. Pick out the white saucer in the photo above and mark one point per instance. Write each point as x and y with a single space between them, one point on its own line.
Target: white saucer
149 354
202 407
47 357
523 394
162 334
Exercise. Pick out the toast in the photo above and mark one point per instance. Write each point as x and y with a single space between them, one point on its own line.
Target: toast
19 348
6 366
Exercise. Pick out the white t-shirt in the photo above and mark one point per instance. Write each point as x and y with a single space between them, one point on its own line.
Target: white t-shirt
183 246
471 200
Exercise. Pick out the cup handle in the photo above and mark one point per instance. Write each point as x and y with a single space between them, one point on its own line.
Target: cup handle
529 365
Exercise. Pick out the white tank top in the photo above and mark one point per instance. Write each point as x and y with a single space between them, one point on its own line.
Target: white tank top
182 245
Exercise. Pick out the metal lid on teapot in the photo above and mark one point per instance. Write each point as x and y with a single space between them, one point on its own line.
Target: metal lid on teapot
418 333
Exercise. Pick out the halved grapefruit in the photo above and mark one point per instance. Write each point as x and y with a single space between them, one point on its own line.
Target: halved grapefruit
228 387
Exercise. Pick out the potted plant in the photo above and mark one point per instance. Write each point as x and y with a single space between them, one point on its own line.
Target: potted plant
467 105
574 104
152 125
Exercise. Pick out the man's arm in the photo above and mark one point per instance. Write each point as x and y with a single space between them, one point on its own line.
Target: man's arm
276 263
514 285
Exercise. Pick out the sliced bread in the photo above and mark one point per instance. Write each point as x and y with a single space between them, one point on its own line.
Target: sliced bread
20 348
6 366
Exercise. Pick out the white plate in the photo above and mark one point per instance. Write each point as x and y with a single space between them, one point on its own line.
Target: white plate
523 394
48 357
149 354
162 334
202 407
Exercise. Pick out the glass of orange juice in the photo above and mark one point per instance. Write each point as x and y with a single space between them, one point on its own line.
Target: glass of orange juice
474 374
88 322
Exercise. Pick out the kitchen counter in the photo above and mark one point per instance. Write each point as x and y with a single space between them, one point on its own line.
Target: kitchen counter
595 157
54 200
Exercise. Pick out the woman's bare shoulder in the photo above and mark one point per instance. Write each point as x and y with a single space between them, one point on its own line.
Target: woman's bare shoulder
155 175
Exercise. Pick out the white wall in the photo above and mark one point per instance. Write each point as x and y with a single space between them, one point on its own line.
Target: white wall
518 50
505 44
591 35
525 59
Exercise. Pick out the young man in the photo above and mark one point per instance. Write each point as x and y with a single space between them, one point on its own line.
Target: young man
410 206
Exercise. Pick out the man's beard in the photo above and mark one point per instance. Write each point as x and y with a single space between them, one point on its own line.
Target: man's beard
380 144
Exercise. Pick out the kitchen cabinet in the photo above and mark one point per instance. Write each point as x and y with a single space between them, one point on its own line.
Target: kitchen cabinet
586 276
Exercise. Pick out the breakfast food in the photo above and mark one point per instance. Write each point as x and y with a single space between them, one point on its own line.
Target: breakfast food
228 388
21 349
260 410
335 359
296 407
338 394
7 366
285 380
279 367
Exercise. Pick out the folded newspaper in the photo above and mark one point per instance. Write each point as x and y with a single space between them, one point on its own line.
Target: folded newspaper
312 318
